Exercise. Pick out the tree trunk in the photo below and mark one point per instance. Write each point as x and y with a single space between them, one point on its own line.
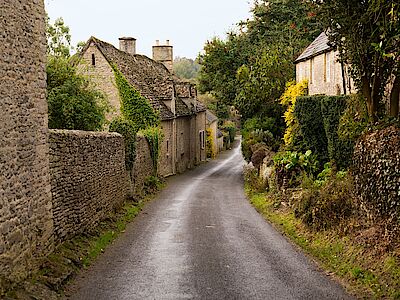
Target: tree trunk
367 92
395 97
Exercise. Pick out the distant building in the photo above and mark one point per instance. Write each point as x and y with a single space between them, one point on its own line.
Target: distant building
183 117
319 65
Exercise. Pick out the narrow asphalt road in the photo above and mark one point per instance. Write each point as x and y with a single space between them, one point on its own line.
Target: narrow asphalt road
201 239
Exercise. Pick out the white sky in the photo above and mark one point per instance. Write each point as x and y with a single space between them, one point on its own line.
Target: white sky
188 24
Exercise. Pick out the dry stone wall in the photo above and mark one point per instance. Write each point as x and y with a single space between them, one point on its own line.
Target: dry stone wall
88 179
142 166
25 198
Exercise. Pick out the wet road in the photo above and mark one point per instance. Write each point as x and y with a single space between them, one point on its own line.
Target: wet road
201 239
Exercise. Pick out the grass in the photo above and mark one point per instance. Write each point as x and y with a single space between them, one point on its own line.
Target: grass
362 272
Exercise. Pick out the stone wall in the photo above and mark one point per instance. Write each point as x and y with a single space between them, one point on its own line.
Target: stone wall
168 146
142 166
201 127
183 141
88 179
25 198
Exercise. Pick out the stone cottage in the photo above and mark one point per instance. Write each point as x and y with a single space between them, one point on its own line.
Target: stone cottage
319 65
183 117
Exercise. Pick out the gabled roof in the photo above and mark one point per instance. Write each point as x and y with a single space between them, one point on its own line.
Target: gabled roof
152 79
210 117
318 46
181 108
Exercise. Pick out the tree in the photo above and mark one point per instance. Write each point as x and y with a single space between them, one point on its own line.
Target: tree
58 38
367 36
186 68
73 101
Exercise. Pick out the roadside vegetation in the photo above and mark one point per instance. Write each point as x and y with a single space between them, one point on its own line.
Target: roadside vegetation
322 169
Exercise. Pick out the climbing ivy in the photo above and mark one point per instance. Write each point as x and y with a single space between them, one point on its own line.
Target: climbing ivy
134 106
154 136
128 130
136 114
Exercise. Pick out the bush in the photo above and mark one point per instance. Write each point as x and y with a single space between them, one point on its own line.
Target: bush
154 136
210 147
73 101
376 171
289 166
256 182
128 130
326 206
230 127
308 113
340 150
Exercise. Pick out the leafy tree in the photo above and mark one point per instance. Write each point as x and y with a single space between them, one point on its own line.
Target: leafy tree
367 36
58 38
73 101
186 68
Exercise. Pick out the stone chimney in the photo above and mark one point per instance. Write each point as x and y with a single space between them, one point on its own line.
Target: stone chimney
164 54
128 45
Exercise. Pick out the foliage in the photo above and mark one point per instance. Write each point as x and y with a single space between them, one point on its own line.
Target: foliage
289 166
154 137
376 172
308 113
58 38
73 101
134 106
230 127
252 178
288 100
366 33
250 68
152 184
128 130
326 206
186 68
354 120
340 150
210 147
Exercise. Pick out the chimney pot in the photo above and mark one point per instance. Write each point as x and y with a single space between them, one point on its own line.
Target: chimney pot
157 42
167 42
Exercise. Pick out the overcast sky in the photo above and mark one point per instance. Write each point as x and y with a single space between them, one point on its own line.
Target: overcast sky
186 23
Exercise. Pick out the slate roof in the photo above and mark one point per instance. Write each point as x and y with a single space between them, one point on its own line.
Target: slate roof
210 117
318 46
152 79
181 108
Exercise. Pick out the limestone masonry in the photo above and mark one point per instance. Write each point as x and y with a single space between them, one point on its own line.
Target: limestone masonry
88 179
26 224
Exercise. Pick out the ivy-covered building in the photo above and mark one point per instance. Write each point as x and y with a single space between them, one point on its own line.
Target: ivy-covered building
182 116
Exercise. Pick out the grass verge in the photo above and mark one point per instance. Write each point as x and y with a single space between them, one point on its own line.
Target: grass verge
364 273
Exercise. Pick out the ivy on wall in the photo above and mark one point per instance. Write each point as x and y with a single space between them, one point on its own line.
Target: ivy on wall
134 106
136 114
210 147
154 136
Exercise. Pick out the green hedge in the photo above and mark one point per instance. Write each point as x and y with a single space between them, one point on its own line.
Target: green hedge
319 118
308 113
340 150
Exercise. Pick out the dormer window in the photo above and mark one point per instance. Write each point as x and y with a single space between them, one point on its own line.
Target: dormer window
93 60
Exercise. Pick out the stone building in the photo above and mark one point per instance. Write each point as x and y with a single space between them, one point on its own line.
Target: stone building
182 116
319 65
26 223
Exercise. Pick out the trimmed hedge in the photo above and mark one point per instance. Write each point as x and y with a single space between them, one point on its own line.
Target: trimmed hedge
308 113
340 150
319 118
376 171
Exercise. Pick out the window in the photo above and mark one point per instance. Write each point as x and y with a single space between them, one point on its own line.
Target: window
202 139
167 147
93 60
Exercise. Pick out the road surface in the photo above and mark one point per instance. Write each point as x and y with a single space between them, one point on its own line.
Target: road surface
201 239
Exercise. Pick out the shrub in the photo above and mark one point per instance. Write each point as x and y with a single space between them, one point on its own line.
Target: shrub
152 184
230 127
376 171
340 150
308 113
326 206
290 165
128 130
210 147
256 182
73 101
288 100
154 137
